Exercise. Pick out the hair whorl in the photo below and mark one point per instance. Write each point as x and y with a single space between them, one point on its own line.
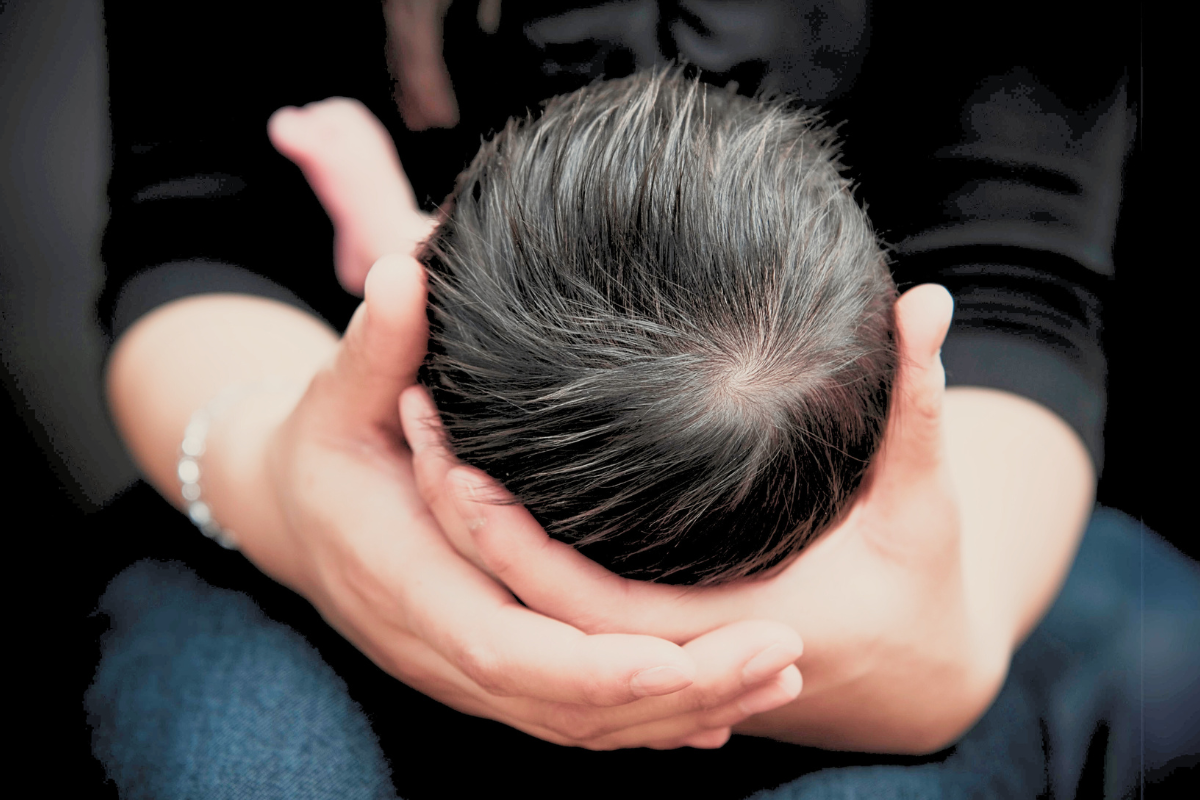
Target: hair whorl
660 318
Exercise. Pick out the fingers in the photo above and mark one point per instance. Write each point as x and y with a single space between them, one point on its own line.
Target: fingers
514 652
432 463
426 591
382 349
779 691
640 724
908 500
736 678
555 579
432 459
506 649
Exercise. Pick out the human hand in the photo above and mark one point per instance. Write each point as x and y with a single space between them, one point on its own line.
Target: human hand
345 527
350 162
382 573
896 657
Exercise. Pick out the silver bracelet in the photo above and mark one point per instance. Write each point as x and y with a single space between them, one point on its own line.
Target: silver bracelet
193 446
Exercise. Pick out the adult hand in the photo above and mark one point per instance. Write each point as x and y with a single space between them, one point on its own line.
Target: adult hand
354 536
896 656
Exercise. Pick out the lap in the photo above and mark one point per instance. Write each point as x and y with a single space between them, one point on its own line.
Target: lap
199 692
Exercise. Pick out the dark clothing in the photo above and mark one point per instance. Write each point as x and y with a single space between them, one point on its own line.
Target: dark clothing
988 148
988 145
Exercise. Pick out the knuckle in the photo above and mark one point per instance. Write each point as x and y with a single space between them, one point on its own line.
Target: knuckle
722 717
482 665
702 698
671 744
499 560
600 745
596 692
576 723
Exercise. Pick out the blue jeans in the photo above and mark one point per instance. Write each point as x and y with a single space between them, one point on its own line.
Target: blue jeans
201 694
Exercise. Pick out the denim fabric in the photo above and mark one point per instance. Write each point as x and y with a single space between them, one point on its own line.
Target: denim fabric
1118 657
199 694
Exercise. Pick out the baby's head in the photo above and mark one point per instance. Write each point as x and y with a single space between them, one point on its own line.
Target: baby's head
662 321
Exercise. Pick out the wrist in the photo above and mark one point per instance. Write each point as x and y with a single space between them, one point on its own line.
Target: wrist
236 468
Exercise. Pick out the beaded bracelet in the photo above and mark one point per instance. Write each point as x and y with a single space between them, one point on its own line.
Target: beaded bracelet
193 446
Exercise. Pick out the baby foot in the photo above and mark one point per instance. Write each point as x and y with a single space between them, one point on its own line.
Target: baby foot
350 162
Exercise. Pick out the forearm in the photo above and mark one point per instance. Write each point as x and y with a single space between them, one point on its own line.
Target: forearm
176 359
1026 486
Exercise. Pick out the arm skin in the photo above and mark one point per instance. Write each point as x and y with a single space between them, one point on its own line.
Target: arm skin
1024 485
1026 488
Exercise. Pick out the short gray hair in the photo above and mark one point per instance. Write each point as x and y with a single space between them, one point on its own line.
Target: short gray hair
660 318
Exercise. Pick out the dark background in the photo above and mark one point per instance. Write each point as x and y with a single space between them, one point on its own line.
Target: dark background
64 461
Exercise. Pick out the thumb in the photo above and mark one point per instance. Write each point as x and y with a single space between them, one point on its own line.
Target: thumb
914 436
383 346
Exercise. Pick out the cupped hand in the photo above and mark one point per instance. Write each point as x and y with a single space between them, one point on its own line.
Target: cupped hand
356 538
896 658
358 541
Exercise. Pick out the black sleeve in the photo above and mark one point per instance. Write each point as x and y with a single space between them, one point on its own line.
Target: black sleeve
988 142
990 145
200 201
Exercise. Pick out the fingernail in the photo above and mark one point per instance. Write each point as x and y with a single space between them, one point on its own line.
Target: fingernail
768 662
658 680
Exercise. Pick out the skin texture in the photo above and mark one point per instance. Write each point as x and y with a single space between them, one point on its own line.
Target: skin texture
909 610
